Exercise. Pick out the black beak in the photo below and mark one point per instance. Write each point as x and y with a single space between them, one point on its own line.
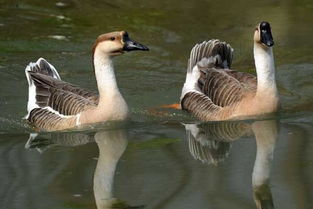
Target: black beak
266 34
130 45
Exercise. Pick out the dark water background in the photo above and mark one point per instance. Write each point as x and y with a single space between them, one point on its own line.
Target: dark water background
154 161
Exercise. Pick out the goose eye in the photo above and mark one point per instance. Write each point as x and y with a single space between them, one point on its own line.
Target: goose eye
112 38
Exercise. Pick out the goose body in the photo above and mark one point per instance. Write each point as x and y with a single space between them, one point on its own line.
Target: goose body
56 105
213 91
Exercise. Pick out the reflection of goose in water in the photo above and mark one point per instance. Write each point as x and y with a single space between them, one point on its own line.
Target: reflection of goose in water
111 144
67 139
266 134
211 142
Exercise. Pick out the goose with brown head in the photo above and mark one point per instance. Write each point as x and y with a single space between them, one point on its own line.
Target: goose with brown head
116 43
65 105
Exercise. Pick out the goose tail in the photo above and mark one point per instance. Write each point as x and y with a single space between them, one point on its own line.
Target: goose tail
212 53
39 67
208 54
42 67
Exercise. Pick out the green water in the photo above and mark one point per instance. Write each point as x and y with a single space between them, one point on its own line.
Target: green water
156 160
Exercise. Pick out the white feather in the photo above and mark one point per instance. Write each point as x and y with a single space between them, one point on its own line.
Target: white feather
191 83
193 128
32 136
55 72
56 112
207 61
32 102
78 123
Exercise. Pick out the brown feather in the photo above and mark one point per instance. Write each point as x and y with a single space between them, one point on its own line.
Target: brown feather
47 81
48 121
63 97
208 49
200 105
210 142
222 89
246 79
68 103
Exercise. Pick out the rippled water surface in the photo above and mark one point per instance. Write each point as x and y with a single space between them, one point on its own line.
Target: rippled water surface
158 159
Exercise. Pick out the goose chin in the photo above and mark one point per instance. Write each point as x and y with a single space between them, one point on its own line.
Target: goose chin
117 52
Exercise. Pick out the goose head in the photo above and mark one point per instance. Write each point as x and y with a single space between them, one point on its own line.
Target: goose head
263 35
116 43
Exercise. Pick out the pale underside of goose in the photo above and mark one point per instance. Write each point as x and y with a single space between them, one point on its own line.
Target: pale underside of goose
57 105
212 91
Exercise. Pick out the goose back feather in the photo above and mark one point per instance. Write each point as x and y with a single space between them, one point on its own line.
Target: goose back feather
49 120
61 96
213 87
54 104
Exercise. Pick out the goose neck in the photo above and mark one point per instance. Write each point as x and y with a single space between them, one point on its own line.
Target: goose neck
264 64
105 75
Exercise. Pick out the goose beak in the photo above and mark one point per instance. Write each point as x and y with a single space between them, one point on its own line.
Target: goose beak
130 45
266 34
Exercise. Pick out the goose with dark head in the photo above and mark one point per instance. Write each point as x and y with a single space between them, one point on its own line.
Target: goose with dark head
213 91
